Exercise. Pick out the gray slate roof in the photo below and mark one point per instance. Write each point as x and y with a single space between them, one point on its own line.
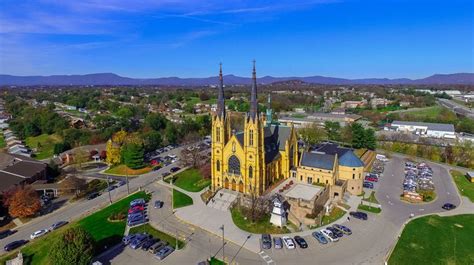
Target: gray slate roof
318 160
431 126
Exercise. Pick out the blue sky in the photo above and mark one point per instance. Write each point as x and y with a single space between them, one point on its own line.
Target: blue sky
188 38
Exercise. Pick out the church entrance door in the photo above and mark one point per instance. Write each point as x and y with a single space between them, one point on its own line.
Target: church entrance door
234 185
226 183
241 187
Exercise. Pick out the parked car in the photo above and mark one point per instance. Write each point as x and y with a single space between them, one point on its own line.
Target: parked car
139 201
157 246
14 245
335 231
371 179
368 185
158 204
39 233
6 233
121 183
266 241
135 222
93 195
329 235
277 242
320 237
136 209
449 206
301 242
165 174
164 252
139 240
174 169
359 215
289 243
134 216
58 225
129 238
343 229
148 243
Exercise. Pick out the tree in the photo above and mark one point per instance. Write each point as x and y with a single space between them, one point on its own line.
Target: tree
74 246
152 140
205 170
312 134
333 130
358 135
72 184
81 156
132 154
171 133
156 121
113 155
370 140
24 202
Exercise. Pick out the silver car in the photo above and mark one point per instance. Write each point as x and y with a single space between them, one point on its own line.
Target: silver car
164 252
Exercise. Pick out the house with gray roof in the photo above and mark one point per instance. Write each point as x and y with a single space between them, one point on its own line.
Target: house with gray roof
17 170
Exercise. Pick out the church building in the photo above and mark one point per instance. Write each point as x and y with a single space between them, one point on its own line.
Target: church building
266 152
251 160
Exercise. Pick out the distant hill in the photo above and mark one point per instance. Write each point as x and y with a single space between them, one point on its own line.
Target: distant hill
113 79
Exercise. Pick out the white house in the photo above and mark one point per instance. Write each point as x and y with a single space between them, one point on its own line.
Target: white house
435 130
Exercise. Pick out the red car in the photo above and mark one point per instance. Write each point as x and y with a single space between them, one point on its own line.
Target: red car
372 179
138 208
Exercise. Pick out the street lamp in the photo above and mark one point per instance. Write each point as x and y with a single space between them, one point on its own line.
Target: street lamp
223 243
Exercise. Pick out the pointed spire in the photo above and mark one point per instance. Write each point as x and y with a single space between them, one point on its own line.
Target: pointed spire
220 95
253 95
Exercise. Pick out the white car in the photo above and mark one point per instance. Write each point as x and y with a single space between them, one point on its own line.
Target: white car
39 233
329 235
289 243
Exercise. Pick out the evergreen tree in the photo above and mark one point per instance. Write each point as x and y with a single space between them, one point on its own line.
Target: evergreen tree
132 155
358 136
370 140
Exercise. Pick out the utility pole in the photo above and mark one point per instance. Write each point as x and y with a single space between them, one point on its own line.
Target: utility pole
223 243
128 187
108 189
176 239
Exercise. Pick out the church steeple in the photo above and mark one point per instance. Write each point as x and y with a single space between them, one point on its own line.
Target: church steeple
220 95
253 95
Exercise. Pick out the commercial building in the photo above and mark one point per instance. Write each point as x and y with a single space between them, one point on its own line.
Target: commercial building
319 119
435 130
17 170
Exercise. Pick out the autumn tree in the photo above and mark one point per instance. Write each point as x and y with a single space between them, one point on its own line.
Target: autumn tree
205 170
81 156
73 246
24 202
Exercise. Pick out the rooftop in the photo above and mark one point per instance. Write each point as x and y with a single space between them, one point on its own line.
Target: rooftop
304 191
318 160
431 126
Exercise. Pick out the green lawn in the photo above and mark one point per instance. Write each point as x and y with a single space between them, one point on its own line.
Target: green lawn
261 227
436 240
157 234
180 199
190 180
107 233
123 170
2 141
335 214
465 187
371 198
369 209
215 261
425 113
46 144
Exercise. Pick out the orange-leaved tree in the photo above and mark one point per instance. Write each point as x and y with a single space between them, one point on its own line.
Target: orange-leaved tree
24 202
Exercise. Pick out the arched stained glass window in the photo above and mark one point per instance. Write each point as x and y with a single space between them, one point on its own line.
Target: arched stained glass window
234 165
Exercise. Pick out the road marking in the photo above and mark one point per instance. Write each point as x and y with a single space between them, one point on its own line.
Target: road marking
421 210
266 258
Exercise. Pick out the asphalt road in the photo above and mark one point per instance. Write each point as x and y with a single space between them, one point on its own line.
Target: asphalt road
76 210
456 107
369 244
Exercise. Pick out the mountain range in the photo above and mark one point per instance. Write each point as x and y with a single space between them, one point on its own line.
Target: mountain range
113 79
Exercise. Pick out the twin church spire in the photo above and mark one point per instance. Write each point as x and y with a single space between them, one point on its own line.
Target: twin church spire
253 112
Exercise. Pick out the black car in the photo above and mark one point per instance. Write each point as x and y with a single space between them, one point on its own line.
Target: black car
58 225
174 169
15 244
359 215
301 242
93 195
5 233
448 206
165 174
266 241
148 243
335 231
